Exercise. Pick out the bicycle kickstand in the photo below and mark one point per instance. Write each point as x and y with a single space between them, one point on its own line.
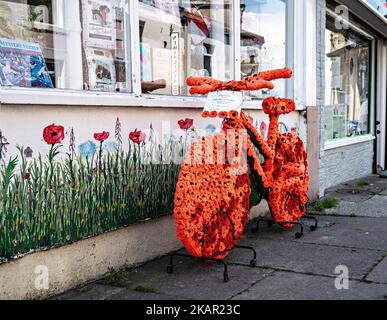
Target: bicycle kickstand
312 227
298 234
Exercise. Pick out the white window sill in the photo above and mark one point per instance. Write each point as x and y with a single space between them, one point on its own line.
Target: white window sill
23 96
347 142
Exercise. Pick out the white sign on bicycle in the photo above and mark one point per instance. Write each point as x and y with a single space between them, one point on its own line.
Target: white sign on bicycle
224 101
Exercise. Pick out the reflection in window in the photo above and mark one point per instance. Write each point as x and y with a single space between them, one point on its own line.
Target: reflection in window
182 38
347 83
379 5
69 44
263 39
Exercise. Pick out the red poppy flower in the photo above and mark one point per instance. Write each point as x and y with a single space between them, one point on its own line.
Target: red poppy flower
233 114
185 124
205 114
137 136
213 114
223 114
27 176
53 134
102 136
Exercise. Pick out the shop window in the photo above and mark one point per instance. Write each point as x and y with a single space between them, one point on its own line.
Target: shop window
64 44
179 39
263 40
348 72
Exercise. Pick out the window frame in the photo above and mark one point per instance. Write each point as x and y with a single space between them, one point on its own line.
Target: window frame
135 98
347 141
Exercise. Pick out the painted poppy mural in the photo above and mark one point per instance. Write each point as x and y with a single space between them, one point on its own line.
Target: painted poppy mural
81 191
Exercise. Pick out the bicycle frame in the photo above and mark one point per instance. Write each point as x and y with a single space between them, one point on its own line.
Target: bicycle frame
266 149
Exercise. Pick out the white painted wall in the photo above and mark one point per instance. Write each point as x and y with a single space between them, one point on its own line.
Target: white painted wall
23 124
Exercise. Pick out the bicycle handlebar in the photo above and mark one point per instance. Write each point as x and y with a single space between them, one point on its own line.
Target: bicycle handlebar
262 80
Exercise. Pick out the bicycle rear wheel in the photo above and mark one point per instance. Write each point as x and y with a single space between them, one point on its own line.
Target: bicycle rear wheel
289 196
211 201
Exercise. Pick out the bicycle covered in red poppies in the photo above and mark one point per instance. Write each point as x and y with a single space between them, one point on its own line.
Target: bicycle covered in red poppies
226 174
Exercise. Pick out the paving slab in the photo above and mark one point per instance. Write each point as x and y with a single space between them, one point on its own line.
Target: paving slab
193 279
92 291
376 206
293 286
351 195
365 233
379 274
308 258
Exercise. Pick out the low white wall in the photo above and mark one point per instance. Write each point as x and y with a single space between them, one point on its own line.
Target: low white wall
89 259
80 262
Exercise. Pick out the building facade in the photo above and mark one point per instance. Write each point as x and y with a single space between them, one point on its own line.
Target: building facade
83 64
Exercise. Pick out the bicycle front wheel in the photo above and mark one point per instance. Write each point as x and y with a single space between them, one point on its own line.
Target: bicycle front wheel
211 202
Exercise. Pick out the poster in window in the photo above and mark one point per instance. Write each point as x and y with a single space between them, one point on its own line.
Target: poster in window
102 71
98 23
23 65
175 64
13 19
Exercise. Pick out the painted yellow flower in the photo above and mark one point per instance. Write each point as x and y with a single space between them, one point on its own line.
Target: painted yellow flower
123 205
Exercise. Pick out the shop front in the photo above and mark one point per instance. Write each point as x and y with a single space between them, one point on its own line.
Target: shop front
107 77
353 115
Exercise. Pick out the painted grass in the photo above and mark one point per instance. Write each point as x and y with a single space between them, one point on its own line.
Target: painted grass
46 202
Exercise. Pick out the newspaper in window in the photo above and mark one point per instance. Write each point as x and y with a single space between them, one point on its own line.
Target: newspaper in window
23 65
